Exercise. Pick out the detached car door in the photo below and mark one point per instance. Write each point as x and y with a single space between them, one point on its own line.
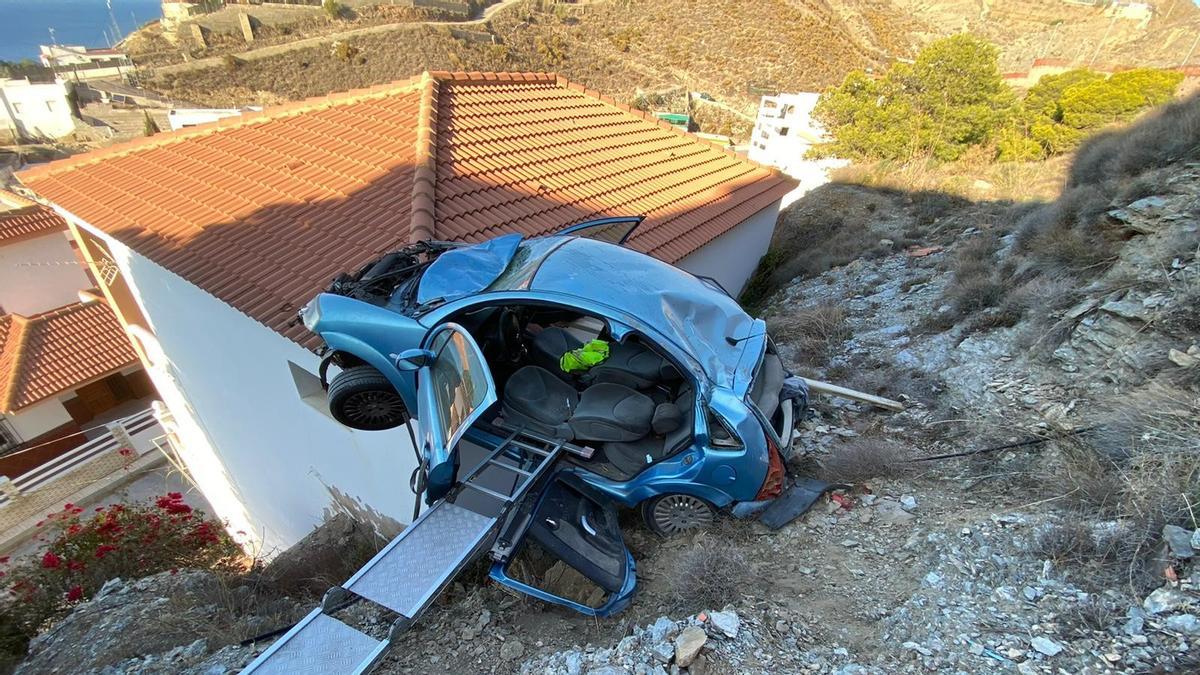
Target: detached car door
454 388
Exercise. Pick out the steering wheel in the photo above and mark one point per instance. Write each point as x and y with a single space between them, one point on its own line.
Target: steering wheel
509 334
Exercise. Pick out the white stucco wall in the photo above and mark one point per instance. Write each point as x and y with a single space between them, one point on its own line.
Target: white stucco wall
263 457
732 257
37 419
39 274
38 110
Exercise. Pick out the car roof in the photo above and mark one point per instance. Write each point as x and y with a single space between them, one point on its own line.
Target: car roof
705 322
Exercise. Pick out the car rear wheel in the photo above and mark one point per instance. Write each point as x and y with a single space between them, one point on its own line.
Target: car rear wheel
362 398
672 514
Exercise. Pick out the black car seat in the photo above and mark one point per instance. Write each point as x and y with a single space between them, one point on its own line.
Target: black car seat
672 425
628 363
535 398
612 412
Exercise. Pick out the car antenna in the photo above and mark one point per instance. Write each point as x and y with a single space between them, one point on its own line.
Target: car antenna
734 341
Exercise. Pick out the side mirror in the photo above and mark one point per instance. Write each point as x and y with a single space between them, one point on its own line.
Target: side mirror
413 359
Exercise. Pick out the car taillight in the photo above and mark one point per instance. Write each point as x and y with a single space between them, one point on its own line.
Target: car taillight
773 485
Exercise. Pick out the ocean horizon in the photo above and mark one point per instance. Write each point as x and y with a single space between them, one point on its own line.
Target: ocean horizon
25 24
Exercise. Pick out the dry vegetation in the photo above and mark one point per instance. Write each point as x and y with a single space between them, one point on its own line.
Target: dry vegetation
621 47
863 459
711 570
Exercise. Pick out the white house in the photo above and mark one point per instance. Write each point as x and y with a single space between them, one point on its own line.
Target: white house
783 133
181 118
75 62
34 110
64 357
213 237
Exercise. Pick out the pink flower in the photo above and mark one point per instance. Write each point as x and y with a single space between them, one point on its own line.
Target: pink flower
50 561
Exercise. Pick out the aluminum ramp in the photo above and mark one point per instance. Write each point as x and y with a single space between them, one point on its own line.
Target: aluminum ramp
409 573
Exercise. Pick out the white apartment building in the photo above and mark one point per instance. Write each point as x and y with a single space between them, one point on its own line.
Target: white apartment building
783 133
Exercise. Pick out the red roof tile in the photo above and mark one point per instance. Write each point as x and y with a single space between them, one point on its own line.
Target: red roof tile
264 209
55 351
20 218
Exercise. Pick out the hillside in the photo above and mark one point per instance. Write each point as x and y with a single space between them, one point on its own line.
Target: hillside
619 47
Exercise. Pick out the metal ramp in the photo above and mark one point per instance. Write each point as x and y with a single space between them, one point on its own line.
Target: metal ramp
409 573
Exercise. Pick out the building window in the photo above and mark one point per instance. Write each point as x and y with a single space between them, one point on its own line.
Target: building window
309 389
50 106
17 108
783 131
8 437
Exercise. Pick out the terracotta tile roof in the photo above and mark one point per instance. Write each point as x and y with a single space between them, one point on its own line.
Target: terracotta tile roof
20 217
264 209
49 353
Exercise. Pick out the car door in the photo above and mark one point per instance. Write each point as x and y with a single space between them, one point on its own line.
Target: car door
454 388
611 230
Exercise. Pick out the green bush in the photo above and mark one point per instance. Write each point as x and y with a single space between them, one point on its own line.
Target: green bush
951 98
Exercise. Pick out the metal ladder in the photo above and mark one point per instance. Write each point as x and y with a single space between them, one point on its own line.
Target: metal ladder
409 573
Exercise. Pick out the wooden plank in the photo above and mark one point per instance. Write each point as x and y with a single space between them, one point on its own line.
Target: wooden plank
834 390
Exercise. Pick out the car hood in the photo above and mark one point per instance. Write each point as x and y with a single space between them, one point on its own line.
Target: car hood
704 322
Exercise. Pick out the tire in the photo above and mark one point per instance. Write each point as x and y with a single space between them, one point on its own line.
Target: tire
671 514
362 398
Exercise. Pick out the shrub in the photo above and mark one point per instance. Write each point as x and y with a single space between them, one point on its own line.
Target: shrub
949 99
149 126
712 571
814 332
333 9
83 552
862 459
1167 136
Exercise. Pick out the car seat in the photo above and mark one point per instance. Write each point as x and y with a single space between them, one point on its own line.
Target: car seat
628 363
672 425
605 412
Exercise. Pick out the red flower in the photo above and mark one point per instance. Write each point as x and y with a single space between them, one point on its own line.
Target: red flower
178 507
104 549
75 594
99 509
3 560
75 565
175 496
68 506
125 452
74 529
40 523
174 571
50 561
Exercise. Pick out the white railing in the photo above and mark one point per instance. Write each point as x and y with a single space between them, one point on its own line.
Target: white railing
72 459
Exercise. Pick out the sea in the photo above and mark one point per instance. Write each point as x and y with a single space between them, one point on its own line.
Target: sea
25 24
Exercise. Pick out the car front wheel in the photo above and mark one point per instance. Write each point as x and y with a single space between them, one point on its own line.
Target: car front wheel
362 398
672 514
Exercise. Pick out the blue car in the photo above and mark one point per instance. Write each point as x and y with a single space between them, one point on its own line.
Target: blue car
686 415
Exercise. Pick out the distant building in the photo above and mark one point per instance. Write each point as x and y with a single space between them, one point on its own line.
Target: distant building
783 134
64 358
1141 12
181 118
77 63
175 12
34 110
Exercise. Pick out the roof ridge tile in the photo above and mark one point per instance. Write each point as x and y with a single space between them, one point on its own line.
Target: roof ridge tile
424 189
15 346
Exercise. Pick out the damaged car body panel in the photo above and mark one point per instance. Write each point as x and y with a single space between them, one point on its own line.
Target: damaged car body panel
468 341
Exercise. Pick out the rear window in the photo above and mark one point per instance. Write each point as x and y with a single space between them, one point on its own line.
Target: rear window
768 380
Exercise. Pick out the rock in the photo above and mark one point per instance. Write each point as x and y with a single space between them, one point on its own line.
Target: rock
1179 541
1134 625
890 513
607 670
660 630
1046 646
1196 540
908 502
727 622
663 651
1164 600
574 662
512 650
1187 624
688 645
1182 359
1127 309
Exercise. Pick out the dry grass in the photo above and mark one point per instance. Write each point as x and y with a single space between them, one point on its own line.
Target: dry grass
862 459
1140 470
712 570
815 332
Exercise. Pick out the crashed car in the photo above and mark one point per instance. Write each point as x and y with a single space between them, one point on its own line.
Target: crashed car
653 388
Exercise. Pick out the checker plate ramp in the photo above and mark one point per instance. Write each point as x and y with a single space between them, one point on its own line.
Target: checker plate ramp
318 644
406 574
